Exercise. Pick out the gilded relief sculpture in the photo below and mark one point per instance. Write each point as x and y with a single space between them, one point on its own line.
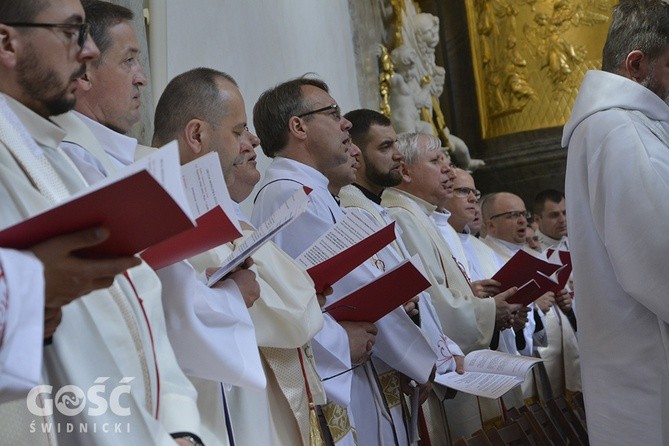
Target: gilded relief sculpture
530 56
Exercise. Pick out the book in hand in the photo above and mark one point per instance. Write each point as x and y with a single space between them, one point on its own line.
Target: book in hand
489 373
560 257
372 301
210 201
350 242
281 218
142 205
529 274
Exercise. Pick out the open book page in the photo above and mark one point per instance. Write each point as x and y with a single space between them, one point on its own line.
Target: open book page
210 201
282 217
489 373
142 205
350 242
382 295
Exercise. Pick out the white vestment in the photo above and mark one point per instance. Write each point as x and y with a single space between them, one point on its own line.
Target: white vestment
466 319
616 189
21 323
198 317
445 348
408 351
286 317
110 337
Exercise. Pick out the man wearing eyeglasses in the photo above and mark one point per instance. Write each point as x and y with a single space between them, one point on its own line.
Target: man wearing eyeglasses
301 127
506 218
466 319
104 337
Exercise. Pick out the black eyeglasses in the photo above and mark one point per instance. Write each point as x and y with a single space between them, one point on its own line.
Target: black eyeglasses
463 192
333 110
513 215
80 29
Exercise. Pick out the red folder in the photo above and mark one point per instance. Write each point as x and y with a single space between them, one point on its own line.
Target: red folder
136 210
213 229
331 270
371 302
521 269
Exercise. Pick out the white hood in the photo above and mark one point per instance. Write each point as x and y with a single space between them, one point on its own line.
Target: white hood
601 90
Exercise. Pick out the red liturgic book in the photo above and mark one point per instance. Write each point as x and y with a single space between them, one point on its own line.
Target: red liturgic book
139 209
530 274
371 302
344 247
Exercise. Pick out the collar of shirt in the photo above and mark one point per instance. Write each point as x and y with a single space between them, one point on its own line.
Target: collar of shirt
45 133
513 247
426 207
120 148
369 194
441 217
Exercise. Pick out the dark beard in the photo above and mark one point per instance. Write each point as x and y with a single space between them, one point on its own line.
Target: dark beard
383 179
40 84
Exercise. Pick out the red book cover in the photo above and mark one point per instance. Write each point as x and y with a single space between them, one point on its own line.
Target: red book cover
521 268
213 229
371 302
135 220
331 270
527 293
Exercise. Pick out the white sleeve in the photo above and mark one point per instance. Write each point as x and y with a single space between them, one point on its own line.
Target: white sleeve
210 329
21 324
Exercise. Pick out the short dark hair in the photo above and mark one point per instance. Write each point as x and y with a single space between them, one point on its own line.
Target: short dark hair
546 195
14 11
101 16
362 119
193 94
636 25
274 109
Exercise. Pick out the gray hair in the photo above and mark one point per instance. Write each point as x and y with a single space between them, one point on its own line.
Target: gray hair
636 25
410 144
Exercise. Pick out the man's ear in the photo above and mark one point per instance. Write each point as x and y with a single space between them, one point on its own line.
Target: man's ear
297 127
193 135
7 46
406 172
637 66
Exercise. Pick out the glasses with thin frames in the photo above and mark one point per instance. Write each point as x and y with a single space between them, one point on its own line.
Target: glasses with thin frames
80 29
463 192
513 215
332 110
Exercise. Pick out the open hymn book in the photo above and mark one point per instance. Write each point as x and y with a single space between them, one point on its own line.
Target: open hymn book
282 217
489 373
143 205
533 277
210 202
352 240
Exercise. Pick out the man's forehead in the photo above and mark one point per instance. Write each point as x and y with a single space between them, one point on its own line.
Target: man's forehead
62 11
316 96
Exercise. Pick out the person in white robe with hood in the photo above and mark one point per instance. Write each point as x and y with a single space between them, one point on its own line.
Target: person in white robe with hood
616 186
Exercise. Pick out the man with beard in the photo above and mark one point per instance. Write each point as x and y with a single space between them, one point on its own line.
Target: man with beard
465 318
301 126
115 335
616 189
378 167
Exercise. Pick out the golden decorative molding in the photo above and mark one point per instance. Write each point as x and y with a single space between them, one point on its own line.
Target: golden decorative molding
530 57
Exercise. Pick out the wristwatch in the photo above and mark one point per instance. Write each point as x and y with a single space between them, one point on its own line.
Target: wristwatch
191 438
